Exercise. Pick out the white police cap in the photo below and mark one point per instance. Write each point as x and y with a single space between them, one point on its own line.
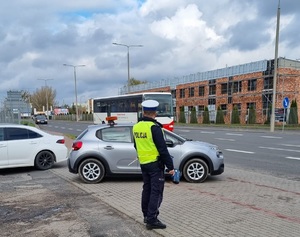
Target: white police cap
150 105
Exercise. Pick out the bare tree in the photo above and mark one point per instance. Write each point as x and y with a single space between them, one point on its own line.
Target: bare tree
40 96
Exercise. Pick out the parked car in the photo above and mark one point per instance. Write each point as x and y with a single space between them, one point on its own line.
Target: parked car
106 150
22 146
41 119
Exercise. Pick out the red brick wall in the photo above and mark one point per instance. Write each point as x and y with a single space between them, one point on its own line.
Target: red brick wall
288 85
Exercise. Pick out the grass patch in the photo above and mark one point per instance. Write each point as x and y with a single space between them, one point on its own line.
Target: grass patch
72 136
27 123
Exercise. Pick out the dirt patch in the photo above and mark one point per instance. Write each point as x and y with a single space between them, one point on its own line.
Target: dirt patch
38 203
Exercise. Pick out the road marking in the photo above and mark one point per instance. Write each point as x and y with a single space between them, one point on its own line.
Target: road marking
290 145
207 132
70 128
278 149
234 134
240 151
292 158
78 130
183 130
271 137
225 139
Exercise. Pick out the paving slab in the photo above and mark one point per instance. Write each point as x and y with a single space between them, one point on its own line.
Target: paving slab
237 203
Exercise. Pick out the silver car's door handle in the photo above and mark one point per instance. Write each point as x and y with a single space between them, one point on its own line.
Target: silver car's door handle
108 148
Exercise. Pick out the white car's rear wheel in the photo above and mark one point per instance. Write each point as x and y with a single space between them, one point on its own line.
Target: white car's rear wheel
44 160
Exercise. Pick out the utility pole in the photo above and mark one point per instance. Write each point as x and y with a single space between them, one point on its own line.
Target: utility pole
272 127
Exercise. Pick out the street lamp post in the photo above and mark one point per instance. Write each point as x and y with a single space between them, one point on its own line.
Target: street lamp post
272 122
128 67
46 88
76 104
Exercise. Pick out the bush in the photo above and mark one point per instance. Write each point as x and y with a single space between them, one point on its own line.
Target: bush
235 118
220 116
293 116
182 116
252 116
206 116
193 116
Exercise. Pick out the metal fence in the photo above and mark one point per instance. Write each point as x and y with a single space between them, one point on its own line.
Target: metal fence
8 116
72 117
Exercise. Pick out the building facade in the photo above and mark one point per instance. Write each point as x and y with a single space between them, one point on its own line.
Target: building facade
15 103
243 86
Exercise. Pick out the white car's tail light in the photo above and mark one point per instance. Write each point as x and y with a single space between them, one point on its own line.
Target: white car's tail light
61 141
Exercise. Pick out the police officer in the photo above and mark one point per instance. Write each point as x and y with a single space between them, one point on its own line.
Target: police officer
153 156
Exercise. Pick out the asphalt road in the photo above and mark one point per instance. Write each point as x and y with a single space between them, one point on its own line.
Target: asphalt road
276 153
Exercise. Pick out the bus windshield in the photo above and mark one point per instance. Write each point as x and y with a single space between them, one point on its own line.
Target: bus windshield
165 108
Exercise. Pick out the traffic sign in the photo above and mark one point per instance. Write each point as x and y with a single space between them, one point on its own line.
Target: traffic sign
285 102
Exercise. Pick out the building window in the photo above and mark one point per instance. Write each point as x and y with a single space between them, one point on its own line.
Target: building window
251 105
267 100
201 90
212 90
191 92
182 93
224 88
212 101
268 83
224 109
173 92
211 82
229 100
237 86
252 85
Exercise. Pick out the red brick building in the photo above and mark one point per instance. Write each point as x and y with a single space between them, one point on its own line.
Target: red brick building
243 86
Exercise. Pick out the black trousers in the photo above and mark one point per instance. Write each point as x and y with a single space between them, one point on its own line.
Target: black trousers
153 188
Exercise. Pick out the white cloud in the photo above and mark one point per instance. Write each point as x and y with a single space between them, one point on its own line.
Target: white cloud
179 37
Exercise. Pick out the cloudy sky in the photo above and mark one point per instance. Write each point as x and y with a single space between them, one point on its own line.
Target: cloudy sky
179 37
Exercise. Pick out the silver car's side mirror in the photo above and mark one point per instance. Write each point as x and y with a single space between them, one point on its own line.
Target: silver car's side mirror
169 143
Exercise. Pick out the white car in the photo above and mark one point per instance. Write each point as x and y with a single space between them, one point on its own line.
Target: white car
22 146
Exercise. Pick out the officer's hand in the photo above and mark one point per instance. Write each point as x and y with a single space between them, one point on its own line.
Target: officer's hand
172 172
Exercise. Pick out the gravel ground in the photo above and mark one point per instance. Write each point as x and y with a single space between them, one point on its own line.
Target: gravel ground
38 203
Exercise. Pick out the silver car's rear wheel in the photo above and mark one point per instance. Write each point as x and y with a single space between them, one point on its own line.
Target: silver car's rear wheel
195 171
91 171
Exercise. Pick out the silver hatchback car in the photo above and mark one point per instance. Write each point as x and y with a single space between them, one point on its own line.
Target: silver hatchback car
107 150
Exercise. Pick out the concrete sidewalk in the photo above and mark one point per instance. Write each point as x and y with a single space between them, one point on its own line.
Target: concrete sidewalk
236 203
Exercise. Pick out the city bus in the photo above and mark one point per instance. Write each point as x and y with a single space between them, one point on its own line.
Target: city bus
128 108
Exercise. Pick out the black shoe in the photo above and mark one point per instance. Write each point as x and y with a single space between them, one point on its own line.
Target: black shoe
145 220
156 225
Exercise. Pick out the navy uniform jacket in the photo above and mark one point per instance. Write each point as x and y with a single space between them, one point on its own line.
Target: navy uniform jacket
159 141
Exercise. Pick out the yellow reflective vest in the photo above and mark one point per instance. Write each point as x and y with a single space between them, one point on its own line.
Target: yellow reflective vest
146 149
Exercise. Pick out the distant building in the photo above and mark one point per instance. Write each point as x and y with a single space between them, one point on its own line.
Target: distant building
15 103
61 111
245 86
